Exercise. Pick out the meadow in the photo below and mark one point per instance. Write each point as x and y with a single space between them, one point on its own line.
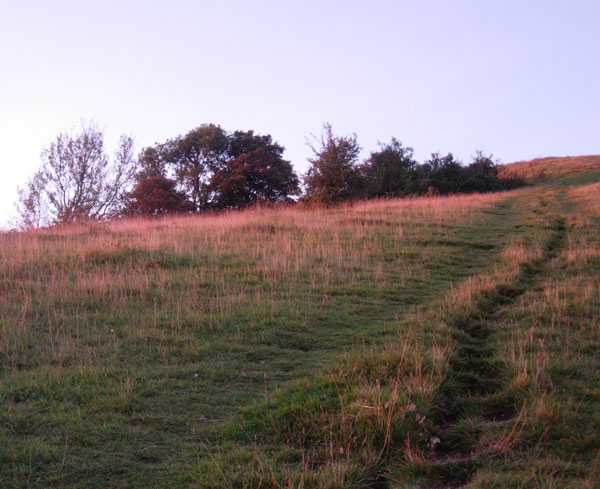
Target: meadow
425 342
572 169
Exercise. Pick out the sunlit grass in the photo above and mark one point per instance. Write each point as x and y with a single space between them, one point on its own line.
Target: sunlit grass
299 347
540 169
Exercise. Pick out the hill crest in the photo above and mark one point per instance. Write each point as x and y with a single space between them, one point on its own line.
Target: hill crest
539 169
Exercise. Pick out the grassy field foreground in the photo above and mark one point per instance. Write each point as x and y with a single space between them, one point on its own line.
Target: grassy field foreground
438 342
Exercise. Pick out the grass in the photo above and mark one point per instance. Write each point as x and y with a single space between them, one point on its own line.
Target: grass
551 337
428 342
570 170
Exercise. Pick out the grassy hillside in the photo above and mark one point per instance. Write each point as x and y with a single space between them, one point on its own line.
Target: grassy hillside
439 342
573 168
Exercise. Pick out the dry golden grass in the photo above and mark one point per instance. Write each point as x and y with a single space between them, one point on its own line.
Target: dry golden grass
589 198
139 340
540 301
198 267
550 167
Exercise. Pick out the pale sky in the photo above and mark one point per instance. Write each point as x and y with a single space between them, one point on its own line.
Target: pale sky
519 79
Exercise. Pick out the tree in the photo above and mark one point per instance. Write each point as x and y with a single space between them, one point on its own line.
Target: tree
389 171
446 174
77 180
156 195
254 171
482 175
333 175
194 156
31 205
151 162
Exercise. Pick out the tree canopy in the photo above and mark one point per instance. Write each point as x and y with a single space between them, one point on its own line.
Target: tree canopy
194 157
253 171
389 171
334 175
209 168
220 170
78 180
156 195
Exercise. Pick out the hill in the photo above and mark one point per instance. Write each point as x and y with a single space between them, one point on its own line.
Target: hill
543 169
425 343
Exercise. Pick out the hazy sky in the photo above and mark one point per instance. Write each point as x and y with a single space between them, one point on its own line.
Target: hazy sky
518 79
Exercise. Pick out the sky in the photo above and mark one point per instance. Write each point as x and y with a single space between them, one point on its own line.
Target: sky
517 79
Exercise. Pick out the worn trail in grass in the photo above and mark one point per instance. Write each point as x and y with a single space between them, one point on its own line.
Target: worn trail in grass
475 382
476 390
518 406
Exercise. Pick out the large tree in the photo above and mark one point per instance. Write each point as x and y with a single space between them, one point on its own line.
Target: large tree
220 170
194 157
333 175
254 171
152 162
77 180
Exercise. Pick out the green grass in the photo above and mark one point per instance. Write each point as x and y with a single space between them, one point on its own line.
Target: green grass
307 349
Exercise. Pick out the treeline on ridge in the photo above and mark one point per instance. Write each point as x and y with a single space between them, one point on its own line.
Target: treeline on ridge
210 168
